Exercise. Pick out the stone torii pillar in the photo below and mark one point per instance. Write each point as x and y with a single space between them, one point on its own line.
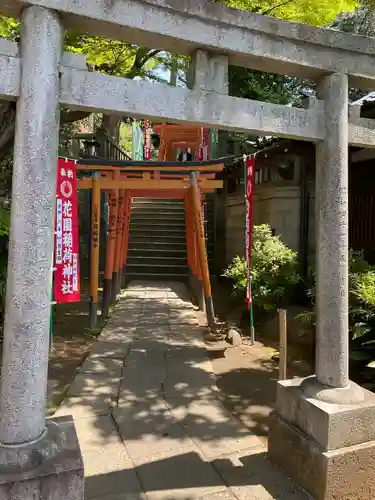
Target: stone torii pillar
38 458
323 430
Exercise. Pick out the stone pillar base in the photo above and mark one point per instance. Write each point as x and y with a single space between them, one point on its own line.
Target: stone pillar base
328 448
51 469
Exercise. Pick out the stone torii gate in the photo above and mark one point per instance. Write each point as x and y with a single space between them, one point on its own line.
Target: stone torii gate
323 430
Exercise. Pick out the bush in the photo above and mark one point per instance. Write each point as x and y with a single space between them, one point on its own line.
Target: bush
361 308
274 270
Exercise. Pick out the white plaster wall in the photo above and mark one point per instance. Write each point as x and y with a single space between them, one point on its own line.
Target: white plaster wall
278 206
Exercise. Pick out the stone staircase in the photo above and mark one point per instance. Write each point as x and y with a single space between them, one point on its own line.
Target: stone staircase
157 240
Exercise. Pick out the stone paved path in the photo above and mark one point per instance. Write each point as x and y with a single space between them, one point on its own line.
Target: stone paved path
148 413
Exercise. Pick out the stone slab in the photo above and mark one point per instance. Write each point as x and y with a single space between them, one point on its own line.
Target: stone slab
117 334
102 366
85 406
56 478
110 350
224 495
179 476
342 474
123 482
146 432
333 426
119 496
95 385
252 476
214 429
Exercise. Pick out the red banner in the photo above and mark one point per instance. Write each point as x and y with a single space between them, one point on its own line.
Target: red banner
66 261
249 196
147 140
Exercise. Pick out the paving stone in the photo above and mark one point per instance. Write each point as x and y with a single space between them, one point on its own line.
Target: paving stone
86 406
108 366
149 430
252 476
178 476
166 408
224 495
96 385
148 345
119 482
187 335
117 334
119 496
98 433
183 320
108 467
177 304
110 350
214 429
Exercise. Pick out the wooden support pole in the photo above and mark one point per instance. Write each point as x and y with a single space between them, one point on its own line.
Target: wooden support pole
126 244
282 344
110 253
94 255
124 240
119 232
202 252
189 235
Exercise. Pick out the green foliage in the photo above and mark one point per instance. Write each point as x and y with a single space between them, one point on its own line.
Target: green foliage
315 12
361 308
4 220
268 87
274 270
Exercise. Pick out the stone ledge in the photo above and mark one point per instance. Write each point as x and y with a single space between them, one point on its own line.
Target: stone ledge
331 425
59 474
343 474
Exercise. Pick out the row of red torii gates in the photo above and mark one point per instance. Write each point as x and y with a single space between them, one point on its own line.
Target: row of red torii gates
164 178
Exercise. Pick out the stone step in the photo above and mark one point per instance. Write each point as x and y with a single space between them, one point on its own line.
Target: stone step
155 277
156 260
166 201
160 234
158 226
156 251
145 243
152 206
157 214
157 269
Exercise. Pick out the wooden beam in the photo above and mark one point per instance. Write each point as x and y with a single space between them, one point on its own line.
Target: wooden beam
179 166
152 184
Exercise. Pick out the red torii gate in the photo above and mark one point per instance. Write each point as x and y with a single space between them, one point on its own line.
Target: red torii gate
125 180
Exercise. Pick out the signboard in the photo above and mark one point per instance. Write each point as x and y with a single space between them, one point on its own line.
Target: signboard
66 258
249 196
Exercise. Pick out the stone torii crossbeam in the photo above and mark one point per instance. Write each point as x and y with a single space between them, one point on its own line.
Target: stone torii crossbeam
323 429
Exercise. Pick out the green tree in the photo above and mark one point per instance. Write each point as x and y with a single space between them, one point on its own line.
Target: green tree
103 55
315 12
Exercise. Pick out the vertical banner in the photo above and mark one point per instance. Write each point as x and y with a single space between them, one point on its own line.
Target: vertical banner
66 258
147 140
203 152
249 196
206 144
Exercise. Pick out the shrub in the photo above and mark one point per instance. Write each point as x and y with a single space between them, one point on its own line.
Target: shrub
361 308
274 270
